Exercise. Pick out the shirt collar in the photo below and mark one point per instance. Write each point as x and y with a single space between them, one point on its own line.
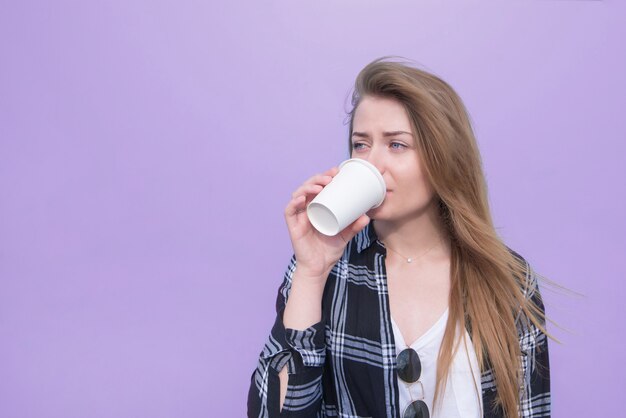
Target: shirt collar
366 237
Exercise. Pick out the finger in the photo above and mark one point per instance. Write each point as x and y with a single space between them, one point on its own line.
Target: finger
294 212
295 207
322 179
306 189
315 184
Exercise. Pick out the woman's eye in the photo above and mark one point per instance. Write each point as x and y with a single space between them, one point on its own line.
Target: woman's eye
394 145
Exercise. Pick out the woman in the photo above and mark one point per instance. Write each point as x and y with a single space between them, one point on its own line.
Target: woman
418 308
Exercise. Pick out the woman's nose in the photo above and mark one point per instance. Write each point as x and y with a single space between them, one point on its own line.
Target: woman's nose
377 160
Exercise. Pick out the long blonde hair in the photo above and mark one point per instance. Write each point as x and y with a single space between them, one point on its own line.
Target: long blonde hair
488 280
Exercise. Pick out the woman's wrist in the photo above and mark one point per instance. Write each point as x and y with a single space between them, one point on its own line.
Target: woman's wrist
304 305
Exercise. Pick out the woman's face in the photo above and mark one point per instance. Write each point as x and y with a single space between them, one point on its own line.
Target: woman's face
382 135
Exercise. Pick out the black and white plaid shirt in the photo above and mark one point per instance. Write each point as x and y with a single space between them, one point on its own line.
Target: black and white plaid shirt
345 365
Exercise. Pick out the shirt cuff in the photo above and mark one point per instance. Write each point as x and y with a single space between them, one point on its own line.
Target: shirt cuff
308 343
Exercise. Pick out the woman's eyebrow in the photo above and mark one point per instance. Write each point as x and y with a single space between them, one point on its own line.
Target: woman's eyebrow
385 134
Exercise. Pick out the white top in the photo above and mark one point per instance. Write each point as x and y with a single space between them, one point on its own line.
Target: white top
463 397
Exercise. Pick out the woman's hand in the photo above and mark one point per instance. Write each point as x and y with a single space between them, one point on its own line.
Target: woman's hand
316 253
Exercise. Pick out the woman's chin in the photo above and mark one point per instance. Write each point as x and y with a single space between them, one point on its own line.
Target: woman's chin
375 213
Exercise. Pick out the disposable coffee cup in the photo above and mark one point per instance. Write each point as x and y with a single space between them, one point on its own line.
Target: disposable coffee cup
357 188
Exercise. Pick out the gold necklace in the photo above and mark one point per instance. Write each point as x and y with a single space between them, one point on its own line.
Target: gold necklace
411 259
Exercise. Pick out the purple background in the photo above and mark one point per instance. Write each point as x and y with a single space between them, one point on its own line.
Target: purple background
148 149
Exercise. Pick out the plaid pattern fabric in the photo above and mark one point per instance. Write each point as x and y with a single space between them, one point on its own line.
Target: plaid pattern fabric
344 366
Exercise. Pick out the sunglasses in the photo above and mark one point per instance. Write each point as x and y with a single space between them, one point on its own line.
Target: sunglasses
409 368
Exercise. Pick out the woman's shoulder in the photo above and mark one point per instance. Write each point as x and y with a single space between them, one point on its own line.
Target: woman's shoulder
516 255
529 284
528 280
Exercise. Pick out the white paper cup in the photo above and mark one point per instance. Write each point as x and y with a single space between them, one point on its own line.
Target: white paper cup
357 188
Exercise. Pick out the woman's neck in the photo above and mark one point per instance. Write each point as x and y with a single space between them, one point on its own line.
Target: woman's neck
416 235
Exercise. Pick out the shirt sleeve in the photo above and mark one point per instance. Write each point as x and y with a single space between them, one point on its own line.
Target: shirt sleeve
535 387
303 351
